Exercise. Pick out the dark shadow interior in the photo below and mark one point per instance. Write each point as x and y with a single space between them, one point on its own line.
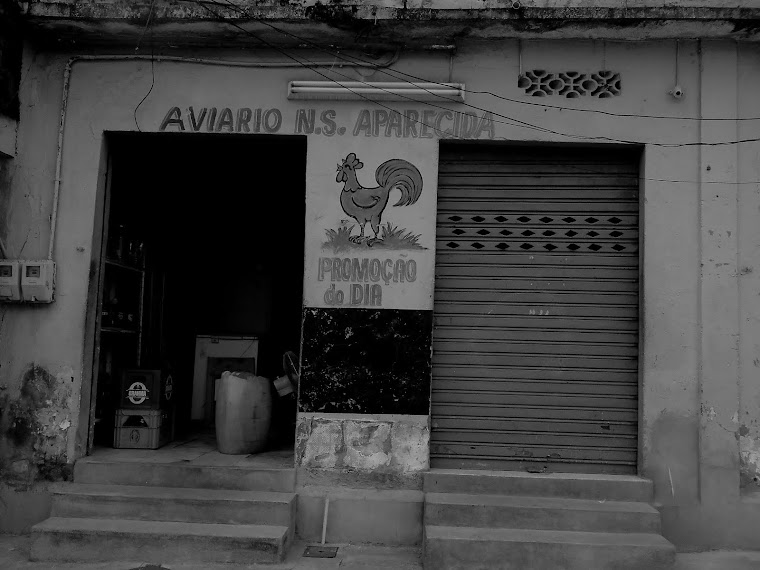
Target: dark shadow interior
221 218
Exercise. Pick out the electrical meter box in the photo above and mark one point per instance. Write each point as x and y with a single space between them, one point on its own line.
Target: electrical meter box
37 281
10 281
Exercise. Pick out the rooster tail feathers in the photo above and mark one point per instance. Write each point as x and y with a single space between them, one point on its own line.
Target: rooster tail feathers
398 173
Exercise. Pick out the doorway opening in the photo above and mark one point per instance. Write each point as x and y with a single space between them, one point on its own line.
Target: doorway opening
201 273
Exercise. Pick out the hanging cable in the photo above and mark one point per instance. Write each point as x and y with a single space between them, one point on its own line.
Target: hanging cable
67 72
152 63
397 74
311 66
306 64
520 123
512 121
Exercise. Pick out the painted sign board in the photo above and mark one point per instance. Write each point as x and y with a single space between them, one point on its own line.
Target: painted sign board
382 122
370 224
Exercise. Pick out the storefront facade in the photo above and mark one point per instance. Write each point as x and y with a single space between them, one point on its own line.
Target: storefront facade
602 248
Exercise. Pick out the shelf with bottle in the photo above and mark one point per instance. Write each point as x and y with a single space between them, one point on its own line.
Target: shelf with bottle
117 314
122 299
118 330
120 265
125 249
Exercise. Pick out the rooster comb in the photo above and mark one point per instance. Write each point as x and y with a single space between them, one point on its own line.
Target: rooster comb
352 161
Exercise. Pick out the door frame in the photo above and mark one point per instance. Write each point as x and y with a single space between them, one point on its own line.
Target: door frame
91 350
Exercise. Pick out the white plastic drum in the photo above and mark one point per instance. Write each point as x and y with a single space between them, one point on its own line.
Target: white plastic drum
243 413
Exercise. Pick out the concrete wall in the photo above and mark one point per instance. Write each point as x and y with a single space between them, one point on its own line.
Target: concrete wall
699 368
40 347
369 468
748 261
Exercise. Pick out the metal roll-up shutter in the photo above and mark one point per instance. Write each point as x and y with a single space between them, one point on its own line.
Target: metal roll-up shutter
535 357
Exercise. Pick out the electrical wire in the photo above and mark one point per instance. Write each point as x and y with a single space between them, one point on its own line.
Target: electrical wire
512 121
398 75
145 29
152 61
306 64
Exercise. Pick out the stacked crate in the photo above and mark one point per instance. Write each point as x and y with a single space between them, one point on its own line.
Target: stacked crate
145 416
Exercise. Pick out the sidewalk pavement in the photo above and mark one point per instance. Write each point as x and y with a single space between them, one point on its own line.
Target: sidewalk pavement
14 555
719 560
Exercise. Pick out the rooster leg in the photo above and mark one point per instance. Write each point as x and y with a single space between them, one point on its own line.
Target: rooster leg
360 238
375 223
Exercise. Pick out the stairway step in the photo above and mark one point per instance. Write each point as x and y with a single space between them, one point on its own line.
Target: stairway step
569 485
172 504
181 474
472 548
80 539
548 513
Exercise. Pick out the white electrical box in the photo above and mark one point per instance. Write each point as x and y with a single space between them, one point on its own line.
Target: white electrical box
37 281
10 280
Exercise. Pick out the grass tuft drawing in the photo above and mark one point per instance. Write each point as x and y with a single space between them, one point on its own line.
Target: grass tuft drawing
390 237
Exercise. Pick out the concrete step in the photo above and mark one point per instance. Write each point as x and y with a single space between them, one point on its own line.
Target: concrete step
471 548
569 485
548 513
80 540
361 516
184 475
172 504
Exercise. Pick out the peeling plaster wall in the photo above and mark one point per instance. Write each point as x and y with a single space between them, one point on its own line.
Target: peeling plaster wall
747 425
569 4
295 7
35 425
40 347
749 450
364 443
376 25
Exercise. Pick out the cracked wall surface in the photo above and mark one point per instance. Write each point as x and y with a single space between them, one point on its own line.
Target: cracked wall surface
749 450
398 444
40 362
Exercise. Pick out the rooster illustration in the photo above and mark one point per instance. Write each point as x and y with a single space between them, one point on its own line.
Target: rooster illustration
367 204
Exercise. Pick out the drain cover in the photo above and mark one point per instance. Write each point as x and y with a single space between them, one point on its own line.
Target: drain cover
320 552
